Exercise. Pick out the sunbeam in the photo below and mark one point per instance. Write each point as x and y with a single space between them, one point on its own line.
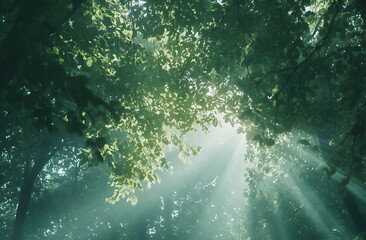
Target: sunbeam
216 175
204 199
223 162
302 201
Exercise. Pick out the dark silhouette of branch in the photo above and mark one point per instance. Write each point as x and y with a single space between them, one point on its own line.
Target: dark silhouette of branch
221 20
307 59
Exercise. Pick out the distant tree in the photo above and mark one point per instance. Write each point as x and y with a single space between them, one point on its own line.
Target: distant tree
296 200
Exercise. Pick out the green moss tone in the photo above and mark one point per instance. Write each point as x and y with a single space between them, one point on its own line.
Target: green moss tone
115 83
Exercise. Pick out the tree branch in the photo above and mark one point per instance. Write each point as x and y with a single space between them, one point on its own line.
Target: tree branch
221 20
307 59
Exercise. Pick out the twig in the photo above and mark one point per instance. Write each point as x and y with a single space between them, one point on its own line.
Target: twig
221 21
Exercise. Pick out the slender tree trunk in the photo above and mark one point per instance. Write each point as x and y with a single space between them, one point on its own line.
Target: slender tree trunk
23 205
358 218
29 179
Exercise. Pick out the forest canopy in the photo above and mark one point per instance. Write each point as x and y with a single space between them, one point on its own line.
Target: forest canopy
115 83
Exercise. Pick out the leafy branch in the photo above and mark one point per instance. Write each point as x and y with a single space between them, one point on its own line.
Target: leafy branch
294 69
307 59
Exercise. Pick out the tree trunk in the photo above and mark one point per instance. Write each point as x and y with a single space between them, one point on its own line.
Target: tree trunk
29 179
358 218
23 205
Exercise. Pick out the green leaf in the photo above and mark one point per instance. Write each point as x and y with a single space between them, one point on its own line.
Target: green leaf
89 62
132 199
